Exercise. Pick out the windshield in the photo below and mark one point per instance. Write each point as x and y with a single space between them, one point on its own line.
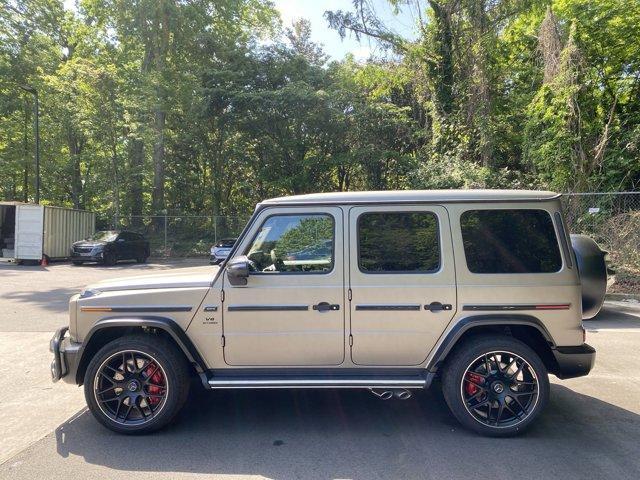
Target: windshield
226 243
106 236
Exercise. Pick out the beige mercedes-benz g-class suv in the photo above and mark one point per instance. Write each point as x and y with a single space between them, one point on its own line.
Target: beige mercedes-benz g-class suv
379 290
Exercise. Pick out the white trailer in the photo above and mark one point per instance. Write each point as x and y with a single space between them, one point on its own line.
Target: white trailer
31 232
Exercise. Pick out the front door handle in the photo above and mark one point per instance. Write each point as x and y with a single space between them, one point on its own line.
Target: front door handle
438 307
326 306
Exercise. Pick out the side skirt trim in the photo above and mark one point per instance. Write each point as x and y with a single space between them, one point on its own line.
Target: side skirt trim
331 379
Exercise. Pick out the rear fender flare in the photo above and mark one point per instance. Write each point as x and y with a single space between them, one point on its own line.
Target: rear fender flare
467 323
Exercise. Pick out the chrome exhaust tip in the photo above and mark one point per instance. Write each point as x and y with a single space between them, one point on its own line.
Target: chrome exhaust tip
382 394
402 394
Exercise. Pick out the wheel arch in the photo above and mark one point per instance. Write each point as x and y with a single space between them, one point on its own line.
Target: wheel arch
526 328
109 329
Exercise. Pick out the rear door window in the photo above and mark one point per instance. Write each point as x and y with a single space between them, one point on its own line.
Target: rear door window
398 242
510 241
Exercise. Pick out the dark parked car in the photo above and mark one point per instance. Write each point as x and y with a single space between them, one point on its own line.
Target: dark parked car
107 247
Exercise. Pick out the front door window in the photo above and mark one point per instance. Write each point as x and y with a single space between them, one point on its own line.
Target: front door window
293 244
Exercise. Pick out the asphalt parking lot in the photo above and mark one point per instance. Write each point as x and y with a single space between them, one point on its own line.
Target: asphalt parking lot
591 428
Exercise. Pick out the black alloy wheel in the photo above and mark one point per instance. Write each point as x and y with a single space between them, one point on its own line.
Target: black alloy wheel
499 389
131 387
137 384
495 385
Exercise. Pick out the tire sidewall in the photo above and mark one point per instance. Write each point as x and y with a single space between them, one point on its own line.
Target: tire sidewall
455 369
174 368
110 259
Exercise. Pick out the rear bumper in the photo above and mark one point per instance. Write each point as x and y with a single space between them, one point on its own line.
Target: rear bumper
574 361
65 357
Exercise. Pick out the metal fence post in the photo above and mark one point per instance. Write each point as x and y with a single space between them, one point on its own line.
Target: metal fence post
166 253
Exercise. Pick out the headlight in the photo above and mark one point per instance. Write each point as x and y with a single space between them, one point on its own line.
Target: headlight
96 250
88 292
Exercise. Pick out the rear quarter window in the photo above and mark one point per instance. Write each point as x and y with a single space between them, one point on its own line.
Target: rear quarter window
510 241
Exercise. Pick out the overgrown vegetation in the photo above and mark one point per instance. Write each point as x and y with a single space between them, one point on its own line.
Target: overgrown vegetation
207 107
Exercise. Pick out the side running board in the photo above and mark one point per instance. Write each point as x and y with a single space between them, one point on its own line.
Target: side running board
229 380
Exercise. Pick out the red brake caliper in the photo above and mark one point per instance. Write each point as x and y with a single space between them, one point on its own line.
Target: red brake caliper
469 387
158 379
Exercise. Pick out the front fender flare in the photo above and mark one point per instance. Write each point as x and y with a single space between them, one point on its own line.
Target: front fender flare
161 323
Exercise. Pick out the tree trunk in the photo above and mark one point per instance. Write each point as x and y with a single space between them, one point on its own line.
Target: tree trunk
481 89
442 68
157 199
161 47
441 75
75 149
116 182
136 168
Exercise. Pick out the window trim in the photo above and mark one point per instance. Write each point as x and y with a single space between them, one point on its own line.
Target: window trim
400 272
558 246
562 233
298 214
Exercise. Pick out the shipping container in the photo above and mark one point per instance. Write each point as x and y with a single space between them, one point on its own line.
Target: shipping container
31 232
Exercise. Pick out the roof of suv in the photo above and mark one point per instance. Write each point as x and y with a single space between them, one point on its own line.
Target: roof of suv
417 196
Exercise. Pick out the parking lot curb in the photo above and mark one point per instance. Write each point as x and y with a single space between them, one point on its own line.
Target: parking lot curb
623 297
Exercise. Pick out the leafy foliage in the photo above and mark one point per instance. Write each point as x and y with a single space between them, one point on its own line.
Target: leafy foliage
209 106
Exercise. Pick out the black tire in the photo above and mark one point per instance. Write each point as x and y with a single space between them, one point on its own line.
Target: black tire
75 262
174 371
109 259
141 258
496 387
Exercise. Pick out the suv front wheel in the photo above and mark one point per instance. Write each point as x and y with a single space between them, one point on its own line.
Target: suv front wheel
136 384
495 385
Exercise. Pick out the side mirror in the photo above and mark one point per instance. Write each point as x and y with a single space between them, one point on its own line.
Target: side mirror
238 270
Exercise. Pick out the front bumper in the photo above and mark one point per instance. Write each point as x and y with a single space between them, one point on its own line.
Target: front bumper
66 355
215 259
75 257
574 361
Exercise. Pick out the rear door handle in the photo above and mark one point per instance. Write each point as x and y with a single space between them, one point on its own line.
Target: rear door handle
437 306
326 306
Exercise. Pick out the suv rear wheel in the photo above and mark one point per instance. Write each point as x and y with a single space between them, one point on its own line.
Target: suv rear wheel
495 385
136 384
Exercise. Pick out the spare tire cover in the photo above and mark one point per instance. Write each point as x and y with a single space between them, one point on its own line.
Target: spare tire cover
593 273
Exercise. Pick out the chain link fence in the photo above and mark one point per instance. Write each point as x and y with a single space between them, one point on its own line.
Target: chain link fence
182 235
613 220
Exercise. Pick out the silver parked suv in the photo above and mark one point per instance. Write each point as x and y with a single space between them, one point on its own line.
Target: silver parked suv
378 290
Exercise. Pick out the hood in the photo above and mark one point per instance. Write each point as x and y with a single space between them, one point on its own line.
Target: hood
89 243
184 278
